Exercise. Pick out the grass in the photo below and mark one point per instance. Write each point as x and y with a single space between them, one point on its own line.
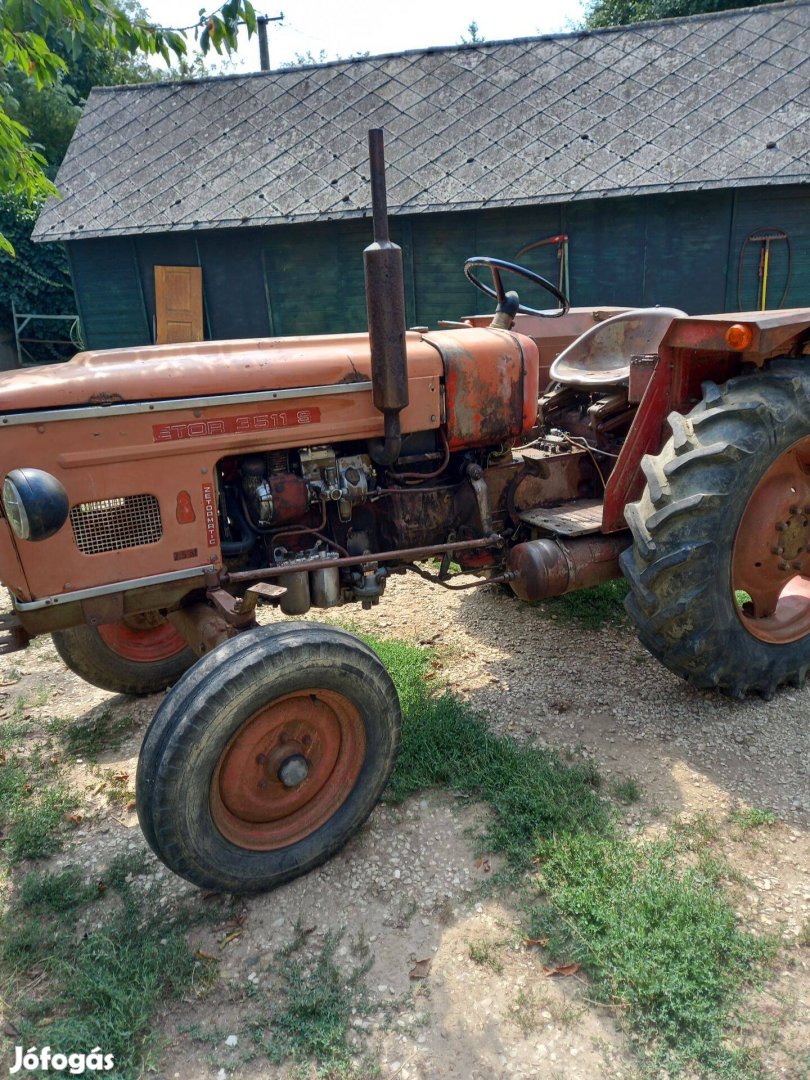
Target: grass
312 1004
590 608
33 805
751 818
102 729
660 942
627 790
530 791
485 954
649 922
102 956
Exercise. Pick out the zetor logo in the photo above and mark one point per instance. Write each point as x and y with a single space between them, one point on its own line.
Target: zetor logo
209 506
239 425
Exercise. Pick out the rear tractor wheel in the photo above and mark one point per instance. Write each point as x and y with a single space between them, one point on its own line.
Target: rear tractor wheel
720 565
267 756
142 654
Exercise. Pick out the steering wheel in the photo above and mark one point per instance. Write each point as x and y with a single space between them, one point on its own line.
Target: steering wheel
508 301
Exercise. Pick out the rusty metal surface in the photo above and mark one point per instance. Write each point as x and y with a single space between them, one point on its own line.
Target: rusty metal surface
201 627
491 384
13 635
544 568
402 555
385 305
577 518
254 803
770 561
774 332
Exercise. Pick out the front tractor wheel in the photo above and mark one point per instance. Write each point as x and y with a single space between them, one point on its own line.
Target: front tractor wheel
142 654
267 756
720 565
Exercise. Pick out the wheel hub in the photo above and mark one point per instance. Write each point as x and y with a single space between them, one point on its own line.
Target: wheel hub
287 769
771 560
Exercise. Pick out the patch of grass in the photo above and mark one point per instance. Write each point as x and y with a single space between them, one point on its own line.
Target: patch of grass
751 818
32 812
627 790
102 729
444 743
485 954
658 936
659 941
312 1004
590 608
103 965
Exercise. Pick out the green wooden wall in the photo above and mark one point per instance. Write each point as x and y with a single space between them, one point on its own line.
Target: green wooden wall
677 250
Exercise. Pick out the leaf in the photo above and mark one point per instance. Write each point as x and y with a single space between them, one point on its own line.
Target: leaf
234 934
421 969
539 941
562 969
205 956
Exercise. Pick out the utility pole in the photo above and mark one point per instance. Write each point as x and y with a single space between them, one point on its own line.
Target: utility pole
264 48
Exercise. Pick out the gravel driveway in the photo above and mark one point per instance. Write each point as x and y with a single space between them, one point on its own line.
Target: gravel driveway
411 883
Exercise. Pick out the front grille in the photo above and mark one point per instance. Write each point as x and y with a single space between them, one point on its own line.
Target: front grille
113 524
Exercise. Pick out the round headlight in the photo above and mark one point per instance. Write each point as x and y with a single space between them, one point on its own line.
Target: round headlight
35 503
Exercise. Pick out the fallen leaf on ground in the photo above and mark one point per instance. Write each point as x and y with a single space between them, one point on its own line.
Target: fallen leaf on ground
483 864
234 934
529 941
562 969
204 955
421 969
131 805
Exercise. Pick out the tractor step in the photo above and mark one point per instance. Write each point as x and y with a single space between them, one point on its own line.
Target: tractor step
577 518
12 636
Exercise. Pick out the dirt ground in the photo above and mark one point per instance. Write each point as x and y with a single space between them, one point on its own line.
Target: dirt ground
410 882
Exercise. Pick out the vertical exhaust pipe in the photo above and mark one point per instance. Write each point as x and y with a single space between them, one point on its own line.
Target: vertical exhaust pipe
385 303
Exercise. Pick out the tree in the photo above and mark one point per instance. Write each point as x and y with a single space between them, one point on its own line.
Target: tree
620 12
39 39
475 38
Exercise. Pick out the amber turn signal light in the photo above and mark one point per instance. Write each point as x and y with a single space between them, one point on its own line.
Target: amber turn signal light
739 336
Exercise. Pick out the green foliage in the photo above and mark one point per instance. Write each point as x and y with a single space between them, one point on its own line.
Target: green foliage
42 40
103 981
589 608
32 811
659 938
660 942
620 12
753 817
444 743
312 1005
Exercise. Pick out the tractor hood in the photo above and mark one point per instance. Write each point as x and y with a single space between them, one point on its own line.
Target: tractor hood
203 369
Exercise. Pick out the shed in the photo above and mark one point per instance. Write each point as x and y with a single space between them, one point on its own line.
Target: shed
661 150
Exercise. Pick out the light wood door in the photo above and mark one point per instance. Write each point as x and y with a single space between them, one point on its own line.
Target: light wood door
178 304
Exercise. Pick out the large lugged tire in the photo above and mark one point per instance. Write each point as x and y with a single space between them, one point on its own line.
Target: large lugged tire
141 656
720 565
267 756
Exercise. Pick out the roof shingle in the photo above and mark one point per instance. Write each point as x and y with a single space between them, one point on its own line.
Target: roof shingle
669 106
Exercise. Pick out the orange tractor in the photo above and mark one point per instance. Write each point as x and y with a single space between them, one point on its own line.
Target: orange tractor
153 497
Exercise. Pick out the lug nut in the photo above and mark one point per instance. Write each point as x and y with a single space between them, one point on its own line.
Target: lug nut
777 551
780 526
795 509
783 565
797 565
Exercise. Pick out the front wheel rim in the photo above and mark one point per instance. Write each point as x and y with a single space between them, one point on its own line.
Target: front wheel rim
288 769
770 568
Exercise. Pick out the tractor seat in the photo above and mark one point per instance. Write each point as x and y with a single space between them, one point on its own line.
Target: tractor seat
601 356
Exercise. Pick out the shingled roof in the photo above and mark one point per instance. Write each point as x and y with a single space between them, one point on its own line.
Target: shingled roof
681 104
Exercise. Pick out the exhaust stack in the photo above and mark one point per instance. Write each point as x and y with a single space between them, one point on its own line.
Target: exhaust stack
385 303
